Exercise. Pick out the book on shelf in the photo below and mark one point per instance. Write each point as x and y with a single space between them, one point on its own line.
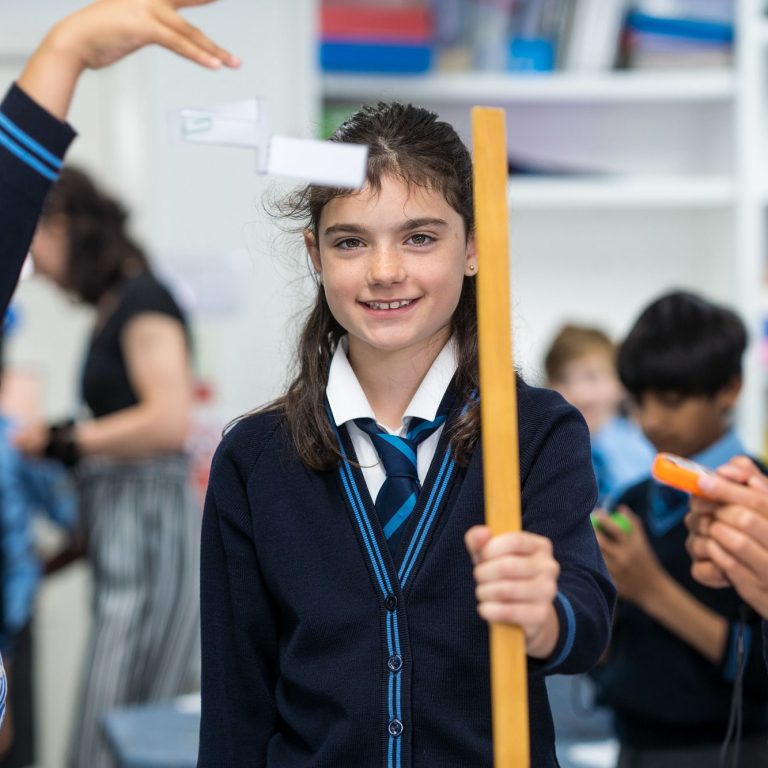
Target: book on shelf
679 33
376 38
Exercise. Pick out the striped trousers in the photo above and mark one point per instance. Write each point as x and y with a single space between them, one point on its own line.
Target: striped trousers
143 528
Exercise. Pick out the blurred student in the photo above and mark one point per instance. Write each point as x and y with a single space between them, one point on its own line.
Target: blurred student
669 672
26 488
138 512
581 366
33 134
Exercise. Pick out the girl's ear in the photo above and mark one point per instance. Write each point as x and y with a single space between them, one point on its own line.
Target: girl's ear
310 242
471 266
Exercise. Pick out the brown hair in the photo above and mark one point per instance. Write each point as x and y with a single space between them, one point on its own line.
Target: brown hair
411 144
572 343
100 251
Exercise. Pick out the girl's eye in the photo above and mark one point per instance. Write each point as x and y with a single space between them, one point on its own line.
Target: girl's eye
421 239
349 243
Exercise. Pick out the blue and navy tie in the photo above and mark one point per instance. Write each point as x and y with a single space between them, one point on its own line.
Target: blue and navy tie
400 491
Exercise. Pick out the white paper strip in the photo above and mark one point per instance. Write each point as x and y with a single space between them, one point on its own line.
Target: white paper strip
328 163
244 124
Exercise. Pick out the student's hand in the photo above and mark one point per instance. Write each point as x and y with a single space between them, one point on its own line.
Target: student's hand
729 532
105 32
108 30
633 566
31 438
516 577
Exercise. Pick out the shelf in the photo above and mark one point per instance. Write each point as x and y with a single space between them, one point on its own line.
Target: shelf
620 192
463 87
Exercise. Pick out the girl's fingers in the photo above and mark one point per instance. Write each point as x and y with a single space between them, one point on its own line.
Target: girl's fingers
177 43
707 573
698 524
752 524
537 589
196 36
509 567
516 543
190 3
739 547
475 539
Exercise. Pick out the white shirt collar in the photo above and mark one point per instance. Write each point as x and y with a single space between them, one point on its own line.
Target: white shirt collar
348 401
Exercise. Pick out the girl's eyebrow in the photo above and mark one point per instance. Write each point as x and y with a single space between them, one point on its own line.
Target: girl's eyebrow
424 222
409 224
355 229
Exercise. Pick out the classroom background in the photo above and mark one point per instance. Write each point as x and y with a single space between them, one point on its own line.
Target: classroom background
637 153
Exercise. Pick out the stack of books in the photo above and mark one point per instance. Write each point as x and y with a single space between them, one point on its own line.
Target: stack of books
680 33
376 38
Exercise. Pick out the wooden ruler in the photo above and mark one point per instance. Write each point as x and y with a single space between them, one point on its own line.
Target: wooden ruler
498 410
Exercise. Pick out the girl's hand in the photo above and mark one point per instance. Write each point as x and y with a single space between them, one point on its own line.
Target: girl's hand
108 30
631 562
516 576
31 438
104 32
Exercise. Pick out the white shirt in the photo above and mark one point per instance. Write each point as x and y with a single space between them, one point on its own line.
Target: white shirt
348 402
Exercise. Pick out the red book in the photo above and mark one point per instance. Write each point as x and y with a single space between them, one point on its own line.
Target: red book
349 22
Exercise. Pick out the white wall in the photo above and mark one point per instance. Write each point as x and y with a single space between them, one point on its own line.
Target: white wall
198 211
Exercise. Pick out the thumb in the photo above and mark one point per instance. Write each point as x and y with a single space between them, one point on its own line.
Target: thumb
475 540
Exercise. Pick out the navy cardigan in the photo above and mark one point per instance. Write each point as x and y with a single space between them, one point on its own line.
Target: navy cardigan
32 143
320 649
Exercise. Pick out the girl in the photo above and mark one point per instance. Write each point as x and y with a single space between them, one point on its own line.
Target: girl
339 604
136 506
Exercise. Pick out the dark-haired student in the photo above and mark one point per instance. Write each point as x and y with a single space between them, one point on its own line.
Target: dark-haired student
33 133
669 672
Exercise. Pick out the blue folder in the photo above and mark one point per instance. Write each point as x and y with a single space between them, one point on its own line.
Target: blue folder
375 58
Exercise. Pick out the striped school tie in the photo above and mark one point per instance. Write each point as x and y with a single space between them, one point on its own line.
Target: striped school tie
400 491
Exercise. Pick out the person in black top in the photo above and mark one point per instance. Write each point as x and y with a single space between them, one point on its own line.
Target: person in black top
676 648
137 510
33 133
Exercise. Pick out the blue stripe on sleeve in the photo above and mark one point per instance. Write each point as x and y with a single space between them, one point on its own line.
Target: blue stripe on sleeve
25 157
570 635
29 142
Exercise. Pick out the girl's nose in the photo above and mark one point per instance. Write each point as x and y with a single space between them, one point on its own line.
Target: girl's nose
386 267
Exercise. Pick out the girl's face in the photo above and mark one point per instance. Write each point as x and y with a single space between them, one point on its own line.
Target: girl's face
49 249
392 265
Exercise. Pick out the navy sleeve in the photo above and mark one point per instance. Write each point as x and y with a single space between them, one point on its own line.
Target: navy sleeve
239 643
765 641
559 493
743 641
32 145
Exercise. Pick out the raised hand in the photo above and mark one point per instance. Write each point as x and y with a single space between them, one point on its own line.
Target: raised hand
105 32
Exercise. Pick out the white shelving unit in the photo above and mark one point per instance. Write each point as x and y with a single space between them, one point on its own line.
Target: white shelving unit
681 192
677 195
463 87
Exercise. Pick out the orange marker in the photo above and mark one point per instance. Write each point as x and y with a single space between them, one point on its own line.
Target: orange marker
679 473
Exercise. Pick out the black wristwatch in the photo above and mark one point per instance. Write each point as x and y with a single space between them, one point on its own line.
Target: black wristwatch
61 444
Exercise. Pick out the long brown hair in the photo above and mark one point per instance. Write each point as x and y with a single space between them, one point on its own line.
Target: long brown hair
410 144
100 250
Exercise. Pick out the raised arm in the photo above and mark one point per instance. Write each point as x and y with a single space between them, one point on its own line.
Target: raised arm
33 134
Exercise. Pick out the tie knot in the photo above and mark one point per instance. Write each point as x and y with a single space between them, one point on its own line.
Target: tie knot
398 454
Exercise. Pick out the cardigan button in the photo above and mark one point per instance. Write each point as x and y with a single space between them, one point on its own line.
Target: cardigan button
395 728
390 603
395 663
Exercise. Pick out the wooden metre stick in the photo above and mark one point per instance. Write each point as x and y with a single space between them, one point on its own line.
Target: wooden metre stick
498 410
